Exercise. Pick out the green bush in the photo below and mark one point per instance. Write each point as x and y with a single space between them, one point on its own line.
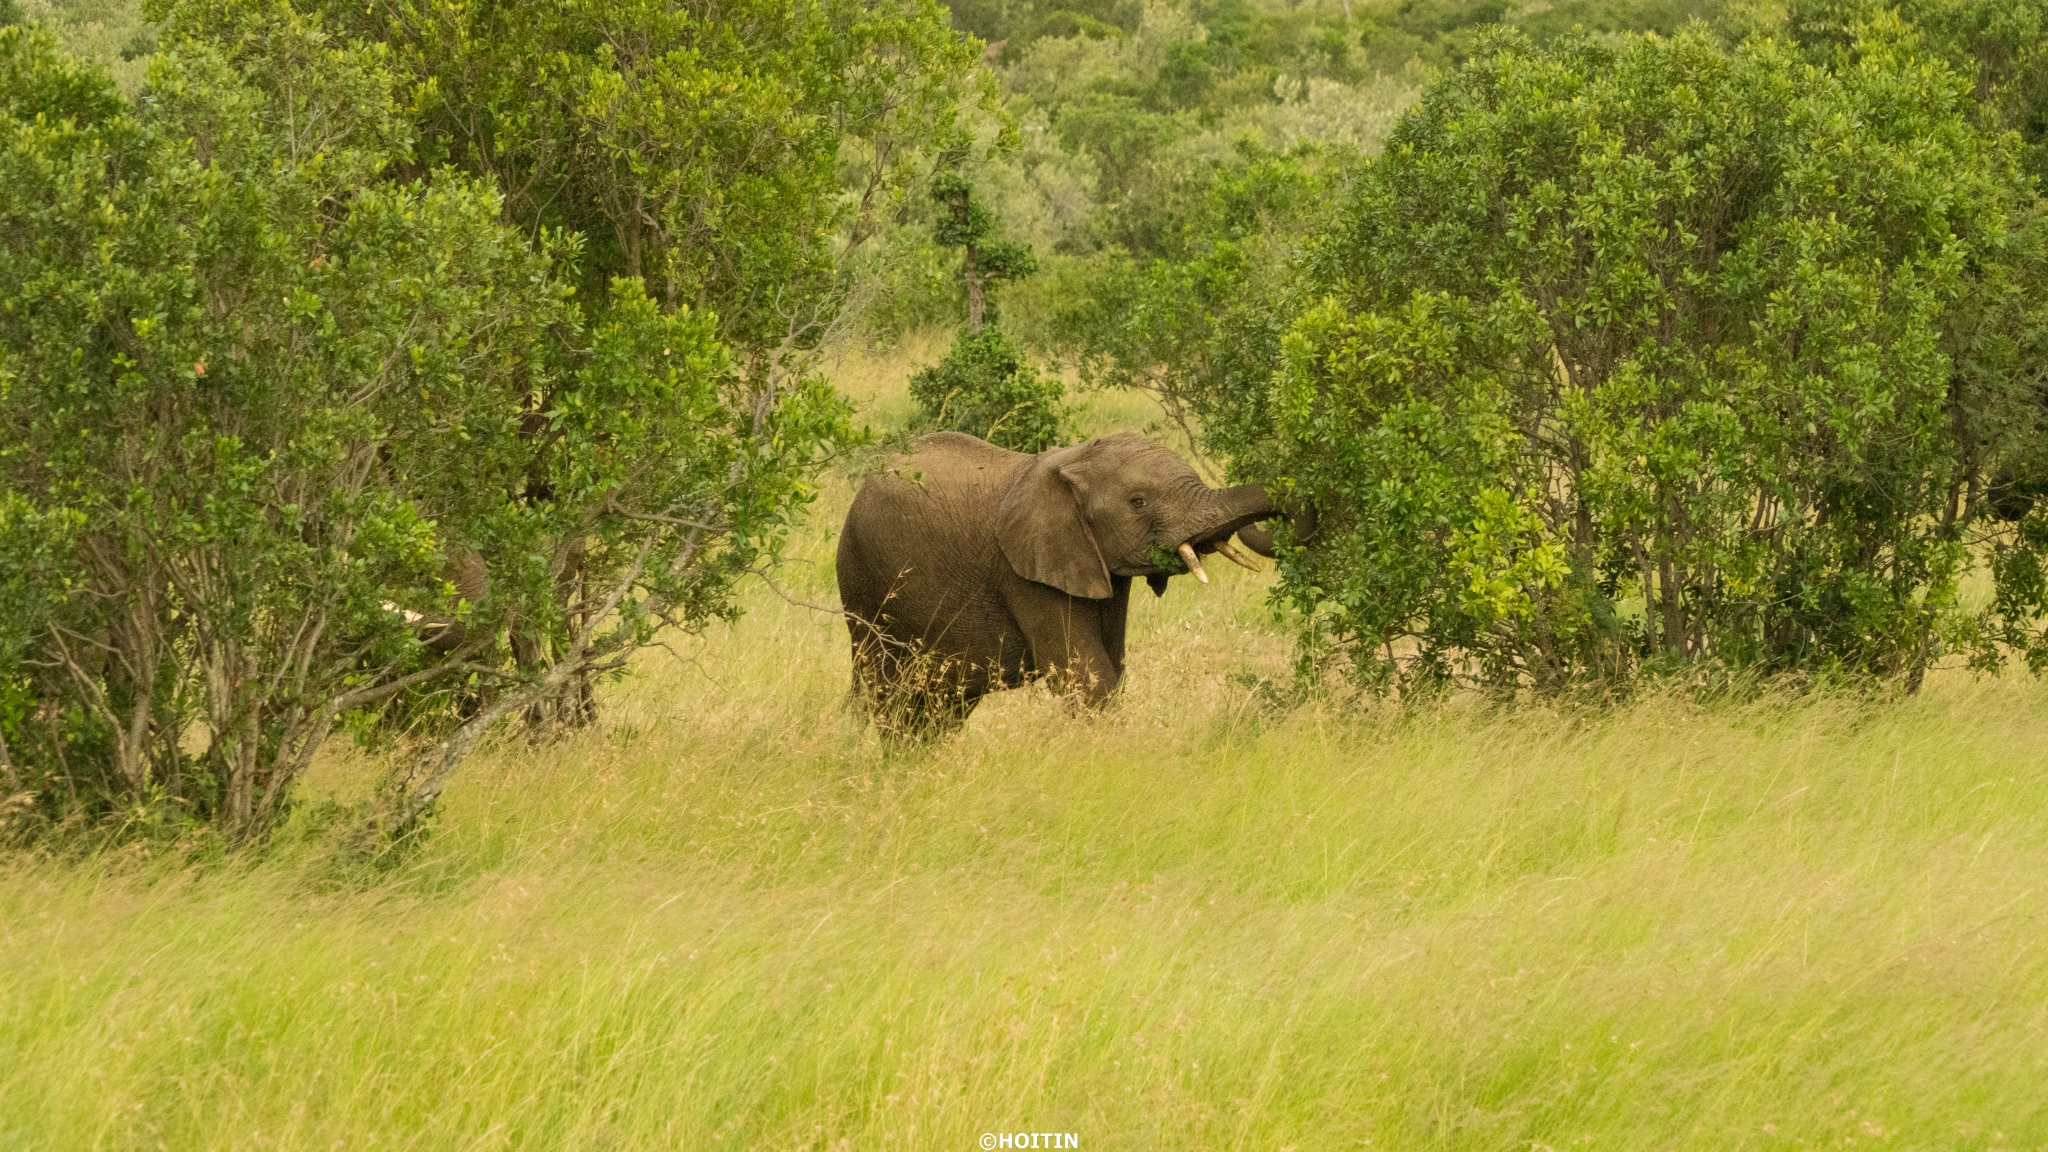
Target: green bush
252 393
305 427
984 388
2001 46
1661 354
733 160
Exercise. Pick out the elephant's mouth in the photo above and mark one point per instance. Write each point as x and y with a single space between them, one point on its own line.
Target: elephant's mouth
1217 540
1170 560
1227 535
1190 555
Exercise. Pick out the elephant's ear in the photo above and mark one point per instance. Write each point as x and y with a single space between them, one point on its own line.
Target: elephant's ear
1043 533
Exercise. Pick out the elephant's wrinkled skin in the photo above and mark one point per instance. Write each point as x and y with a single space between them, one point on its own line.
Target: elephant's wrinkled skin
965 568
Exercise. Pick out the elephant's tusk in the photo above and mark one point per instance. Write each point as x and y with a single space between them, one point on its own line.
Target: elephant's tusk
1229 552
1187 553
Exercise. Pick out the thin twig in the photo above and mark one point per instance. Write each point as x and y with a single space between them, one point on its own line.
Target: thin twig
791 599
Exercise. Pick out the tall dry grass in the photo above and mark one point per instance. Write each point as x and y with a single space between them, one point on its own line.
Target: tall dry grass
728 917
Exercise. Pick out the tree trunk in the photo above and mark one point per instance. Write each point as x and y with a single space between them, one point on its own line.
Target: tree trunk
1674 608
433 769
977 296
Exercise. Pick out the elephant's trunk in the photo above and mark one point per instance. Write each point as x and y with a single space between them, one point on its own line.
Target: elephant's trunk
1257 538
1237 511
1226 510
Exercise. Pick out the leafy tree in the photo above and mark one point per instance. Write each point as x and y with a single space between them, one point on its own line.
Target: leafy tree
1667 354
1128 108
2000 46
244 385
728 157
730 154
967 224
983 387
305 424
1198 327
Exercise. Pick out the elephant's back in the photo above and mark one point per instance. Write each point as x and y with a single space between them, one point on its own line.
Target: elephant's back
923 522
948 482
966 466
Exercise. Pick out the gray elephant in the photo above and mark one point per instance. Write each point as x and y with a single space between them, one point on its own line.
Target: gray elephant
965 568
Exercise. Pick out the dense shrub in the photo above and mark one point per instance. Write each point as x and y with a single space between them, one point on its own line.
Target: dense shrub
2000 46
1662 354
304 428
230 356
264 405
984 388
730 154
731 158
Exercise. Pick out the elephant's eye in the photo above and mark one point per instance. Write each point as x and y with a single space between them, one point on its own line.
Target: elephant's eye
1137 503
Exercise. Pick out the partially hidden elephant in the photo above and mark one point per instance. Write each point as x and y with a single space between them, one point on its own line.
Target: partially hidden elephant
966 569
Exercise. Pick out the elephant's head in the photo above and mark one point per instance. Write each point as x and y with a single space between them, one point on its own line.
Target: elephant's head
472 580
1121 506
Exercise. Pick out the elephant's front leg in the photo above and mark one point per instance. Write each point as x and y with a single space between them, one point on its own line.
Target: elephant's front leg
1068 637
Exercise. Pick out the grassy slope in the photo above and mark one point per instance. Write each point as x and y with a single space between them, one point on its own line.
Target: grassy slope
728 919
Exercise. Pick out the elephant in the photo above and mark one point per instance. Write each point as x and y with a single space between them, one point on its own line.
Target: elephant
966 569
465 569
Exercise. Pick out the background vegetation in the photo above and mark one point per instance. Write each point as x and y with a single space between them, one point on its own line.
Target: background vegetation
568 351
1631 354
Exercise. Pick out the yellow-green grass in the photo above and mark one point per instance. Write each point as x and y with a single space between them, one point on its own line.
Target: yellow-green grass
729 918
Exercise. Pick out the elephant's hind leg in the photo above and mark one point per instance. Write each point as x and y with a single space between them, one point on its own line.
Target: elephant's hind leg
925 713
909 692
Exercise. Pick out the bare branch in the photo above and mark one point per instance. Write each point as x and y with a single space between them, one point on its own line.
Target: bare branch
763 574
